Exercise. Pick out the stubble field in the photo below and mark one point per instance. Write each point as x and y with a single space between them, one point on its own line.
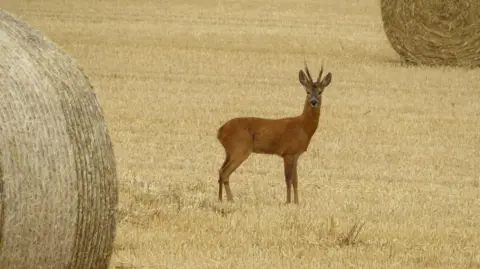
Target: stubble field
397 148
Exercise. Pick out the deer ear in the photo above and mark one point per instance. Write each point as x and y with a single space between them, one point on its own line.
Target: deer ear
326 80
302 78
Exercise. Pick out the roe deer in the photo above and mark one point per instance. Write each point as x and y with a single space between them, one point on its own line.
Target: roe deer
285 137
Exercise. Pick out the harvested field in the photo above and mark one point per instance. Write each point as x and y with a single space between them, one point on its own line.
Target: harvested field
398 148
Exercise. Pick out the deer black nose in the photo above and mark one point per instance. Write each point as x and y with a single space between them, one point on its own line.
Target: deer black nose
314 102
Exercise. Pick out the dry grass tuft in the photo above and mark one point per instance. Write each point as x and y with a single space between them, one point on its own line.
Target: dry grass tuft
434 32
350 238
58 190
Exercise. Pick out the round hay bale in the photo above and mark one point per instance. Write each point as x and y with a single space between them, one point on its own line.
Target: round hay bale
58 185
434 32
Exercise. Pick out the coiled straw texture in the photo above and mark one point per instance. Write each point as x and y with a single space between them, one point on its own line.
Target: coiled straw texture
434 32
58 190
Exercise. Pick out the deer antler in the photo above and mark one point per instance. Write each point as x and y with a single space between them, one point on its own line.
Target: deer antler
308 73
320 74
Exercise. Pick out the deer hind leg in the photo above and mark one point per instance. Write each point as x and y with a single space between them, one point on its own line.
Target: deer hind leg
230 165
220 183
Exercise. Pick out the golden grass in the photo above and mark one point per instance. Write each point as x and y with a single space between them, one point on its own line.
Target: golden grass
397 147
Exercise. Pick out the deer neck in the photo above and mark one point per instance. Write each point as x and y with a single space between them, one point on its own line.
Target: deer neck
311 116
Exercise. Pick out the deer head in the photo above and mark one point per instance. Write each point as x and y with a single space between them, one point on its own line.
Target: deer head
314 89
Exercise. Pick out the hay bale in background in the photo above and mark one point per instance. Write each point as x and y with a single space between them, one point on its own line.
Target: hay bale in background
58 171
434 32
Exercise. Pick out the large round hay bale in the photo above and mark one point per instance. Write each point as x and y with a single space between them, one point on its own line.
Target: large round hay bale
58 190
434 32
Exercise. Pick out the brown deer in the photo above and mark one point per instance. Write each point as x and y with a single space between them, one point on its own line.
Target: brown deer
286 137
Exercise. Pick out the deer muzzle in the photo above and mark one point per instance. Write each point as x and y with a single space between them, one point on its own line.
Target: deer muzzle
313 101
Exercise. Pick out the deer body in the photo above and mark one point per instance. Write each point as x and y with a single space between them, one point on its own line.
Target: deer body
285 137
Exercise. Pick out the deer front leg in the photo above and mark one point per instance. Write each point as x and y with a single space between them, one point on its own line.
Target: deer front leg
288 163
295 180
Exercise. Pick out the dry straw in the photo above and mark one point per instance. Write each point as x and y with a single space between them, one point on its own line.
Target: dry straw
58 190
434 32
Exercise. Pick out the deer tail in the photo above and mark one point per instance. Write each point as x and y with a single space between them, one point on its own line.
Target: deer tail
219 132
